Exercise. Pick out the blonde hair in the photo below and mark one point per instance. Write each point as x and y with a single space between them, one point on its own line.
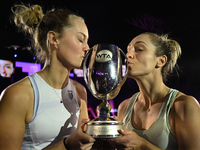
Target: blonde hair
168 47
31 19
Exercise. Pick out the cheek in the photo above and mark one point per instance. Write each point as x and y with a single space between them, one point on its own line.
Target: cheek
150 62
68 47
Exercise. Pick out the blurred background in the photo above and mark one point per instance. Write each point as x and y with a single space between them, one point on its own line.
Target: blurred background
115 22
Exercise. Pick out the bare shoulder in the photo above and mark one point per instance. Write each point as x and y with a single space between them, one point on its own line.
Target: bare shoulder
80 90
185 102
18 94
185 108
122 109
123 105
22 87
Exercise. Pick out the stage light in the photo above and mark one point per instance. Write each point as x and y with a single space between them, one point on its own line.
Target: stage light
92 112
15 55
28 67
111 102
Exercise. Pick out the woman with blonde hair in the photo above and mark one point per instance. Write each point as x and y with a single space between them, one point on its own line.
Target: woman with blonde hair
157 117
48 110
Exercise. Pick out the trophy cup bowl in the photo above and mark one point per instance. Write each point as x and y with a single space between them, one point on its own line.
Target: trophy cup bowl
102 69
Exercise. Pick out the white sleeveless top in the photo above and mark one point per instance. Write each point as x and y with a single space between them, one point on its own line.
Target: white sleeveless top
52 120
160 134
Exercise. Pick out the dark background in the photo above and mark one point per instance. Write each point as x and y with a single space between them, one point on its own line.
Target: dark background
117 22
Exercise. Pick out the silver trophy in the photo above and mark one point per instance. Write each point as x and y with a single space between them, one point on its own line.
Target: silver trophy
102 69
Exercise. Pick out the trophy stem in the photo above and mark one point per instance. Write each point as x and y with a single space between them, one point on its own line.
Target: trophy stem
104 109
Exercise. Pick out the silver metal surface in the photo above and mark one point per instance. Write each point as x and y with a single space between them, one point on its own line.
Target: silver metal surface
104 129
102 69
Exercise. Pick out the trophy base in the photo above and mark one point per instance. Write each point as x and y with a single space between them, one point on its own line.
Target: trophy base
104 129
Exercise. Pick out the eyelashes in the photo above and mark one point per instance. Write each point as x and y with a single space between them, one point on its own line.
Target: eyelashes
81 41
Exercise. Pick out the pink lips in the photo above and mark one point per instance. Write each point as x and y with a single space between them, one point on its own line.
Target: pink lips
129 62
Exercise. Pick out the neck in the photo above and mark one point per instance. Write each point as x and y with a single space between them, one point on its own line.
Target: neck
152 91
55 77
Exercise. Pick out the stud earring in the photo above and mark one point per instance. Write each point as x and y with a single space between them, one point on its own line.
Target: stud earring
56 46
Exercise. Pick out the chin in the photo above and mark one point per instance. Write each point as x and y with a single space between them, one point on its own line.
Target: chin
79 67
131 75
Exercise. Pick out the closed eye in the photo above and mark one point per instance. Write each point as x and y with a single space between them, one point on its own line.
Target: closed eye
82 37
138 50
81 41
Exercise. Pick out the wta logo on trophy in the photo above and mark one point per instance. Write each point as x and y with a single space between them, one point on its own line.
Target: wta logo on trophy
104 56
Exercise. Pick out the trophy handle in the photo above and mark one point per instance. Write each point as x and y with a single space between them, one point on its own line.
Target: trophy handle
85 71
126 72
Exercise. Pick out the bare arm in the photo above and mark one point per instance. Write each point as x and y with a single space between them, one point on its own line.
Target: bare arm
122 109
187 112
14 108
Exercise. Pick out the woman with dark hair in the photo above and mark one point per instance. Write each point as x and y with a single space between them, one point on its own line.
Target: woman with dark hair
156 117
48 110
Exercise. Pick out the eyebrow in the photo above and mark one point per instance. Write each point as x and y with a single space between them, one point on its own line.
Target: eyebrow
138 42
85 37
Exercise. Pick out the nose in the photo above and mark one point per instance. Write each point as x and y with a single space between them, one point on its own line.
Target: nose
86 48
129 53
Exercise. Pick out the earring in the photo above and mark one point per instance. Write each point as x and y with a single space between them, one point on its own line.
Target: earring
56 46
